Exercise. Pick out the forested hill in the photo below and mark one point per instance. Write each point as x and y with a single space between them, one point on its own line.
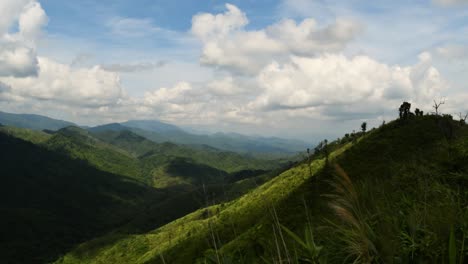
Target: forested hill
396 194
61 188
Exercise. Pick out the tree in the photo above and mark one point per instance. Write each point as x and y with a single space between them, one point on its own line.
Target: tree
326 150
462 118
404 110
437 105
364 127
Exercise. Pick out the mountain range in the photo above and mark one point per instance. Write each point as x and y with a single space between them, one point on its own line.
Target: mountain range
108 194
163 132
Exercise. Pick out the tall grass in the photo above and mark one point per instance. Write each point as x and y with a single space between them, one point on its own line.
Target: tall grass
351 229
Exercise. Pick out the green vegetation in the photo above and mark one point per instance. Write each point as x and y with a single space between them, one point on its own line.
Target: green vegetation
49 202
396 194
26 134
70 186
400 197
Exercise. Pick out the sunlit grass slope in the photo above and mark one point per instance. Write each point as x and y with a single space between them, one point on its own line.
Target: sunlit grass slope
187 238
401 198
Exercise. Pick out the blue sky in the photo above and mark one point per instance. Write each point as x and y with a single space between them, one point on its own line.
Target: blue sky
292 68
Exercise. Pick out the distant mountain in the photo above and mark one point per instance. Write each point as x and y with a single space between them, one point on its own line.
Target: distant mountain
31 121
108 127
152 125
157 131
153 154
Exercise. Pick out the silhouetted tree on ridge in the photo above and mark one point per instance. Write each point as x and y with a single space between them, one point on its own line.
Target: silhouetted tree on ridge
404 110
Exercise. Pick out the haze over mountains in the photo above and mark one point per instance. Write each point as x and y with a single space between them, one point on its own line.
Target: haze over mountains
162 132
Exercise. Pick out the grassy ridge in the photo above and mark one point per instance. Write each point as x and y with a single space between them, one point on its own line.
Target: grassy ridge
402 191
191 233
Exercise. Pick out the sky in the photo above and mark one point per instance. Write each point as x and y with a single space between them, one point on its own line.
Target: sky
306 69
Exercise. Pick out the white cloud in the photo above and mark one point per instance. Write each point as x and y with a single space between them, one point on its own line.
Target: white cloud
17 60
207 26
227 86
17 52
11 9
176 94
31 21
358 84
227 44
61 83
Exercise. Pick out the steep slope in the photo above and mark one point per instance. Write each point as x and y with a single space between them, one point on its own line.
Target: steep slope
160 165
401 197
79 144
48 202
63 168
32 136
35 122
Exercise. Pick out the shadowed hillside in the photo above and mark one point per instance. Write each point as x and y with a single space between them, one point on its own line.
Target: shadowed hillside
400 197
50 202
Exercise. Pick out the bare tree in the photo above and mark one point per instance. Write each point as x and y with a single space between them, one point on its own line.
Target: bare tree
462 117
437 105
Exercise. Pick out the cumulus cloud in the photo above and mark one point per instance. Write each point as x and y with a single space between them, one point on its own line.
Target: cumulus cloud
17 49
335 81
61 83
227 44
11 9
227 86
31 21
17 60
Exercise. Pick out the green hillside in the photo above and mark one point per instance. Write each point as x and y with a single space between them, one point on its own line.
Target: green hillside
49 202
155 155
26 134
399 195
79 144
69 187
